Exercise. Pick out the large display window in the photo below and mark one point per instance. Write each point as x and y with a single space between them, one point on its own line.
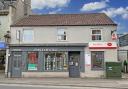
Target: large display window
56 61
97 60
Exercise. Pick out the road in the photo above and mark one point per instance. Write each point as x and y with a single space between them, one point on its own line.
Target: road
17 86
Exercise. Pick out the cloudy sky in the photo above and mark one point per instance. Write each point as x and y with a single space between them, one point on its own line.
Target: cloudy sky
115 9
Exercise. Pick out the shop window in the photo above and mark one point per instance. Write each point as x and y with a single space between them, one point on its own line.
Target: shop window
32 60
97 60
28 35
56 61
61 35
96 34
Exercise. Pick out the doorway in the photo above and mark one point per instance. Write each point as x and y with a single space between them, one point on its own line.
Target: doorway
16 65
74 65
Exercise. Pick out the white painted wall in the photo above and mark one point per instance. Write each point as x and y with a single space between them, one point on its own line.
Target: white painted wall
75 34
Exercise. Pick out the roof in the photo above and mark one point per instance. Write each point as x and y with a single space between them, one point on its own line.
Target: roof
65 20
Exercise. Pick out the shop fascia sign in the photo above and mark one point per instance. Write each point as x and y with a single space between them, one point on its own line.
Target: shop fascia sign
2 45
102 45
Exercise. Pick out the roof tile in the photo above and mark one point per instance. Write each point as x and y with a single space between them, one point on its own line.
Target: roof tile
65 20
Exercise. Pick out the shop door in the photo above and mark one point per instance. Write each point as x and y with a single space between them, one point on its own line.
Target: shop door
74 70
16 65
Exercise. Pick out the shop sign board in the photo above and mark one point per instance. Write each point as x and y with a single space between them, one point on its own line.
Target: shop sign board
114 36
102 45
2 45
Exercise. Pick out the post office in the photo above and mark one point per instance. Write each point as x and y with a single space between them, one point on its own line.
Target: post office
61 45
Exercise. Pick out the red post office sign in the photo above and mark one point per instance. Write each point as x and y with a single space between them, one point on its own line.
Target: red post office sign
102 45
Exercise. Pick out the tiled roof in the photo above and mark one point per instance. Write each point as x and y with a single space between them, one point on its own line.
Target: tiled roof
65 20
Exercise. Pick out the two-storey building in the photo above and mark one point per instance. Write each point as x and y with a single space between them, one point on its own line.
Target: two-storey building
61 45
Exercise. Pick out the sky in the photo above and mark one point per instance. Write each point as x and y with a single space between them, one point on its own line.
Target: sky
117 10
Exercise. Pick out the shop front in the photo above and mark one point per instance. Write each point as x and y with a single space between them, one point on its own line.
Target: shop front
96 55
46 61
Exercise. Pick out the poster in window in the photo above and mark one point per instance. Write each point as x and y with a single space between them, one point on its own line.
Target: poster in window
32 65
87 60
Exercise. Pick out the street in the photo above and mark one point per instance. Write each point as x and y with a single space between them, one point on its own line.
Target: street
20 86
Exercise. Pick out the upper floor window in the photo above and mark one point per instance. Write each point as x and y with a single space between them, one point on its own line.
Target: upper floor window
96 34
61 35
28 35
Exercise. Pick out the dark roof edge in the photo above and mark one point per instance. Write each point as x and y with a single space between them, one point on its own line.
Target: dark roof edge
63 25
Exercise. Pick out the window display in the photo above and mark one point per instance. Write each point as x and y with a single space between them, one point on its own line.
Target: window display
97 58
56 61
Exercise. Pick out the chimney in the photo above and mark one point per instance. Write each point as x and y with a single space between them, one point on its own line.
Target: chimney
27 7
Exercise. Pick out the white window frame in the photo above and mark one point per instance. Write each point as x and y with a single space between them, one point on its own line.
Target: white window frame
61 35
18 33
27 41
96 34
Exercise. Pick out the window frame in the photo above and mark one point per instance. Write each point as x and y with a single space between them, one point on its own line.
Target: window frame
96 34
62 70
28 41
102 61
18 33
61 35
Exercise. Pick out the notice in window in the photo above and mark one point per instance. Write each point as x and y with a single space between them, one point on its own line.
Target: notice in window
87 60
32 57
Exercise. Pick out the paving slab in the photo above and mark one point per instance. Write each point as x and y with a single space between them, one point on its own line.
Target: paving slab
78 82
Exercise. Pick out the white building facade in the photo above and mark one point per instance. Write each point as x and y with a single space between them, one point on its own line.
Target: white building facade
62 46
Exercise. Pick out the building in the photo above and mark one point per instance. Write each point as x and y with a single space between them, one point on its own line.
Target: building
123 47
62 45
10 12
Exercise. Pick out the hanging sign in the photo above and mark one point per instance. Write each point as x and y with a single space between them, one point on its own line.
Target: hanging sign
102 45
114 36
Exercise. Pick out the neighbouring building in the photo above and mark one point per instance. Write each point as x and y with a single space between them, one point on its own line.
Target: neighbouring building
62 45
10 12
123 47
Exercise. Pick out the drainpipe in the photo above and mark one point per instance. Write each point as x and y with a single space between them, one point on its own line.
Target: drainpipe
7 41
6 62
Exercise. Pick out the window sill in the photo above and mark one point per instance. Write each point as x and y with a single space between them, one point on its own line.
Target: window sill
61 41
97 40
96 69
55 71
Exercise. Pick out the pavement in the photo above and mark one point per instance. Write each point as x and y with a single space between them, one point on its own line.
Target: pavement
75 82
72 82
